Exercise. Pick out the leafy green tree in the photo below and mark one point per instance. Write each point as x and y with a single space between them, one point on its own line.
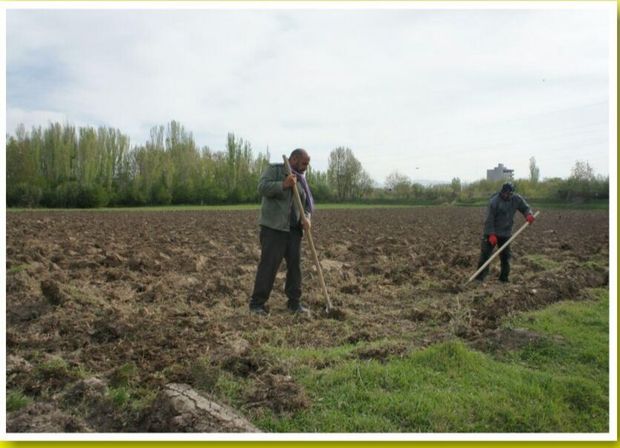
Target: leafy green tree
319 183
343 172
59 153
534 171
362 185
580 185
211 190
85 167
399 185
112 150
582 171
456 187
183 163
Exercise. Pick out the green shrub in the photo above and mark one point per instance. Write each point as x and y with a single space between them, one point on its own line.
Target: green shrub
91 197
23 195
119 396
124 375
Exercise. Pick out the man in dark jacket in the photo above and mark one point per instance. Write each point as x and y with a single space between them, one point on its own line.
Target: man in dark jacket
281 231
498 227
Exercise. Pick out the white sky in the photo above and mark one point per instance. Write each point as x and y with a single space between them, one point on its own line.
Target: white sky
430 93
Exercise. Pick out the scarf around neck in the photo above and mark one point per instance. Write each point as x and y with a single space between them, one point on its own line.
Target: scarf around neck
304 184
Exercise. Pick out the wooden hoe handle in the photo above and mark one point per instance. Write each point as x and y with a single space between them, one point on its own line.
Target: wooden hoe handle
499 250
300 208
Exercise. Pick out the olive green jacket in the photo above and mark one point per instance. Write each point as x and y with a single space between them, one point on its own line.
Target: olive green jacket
276 201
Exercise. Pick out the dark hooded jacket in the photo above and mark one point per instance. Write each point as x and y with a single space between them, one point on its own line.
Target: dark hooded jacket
500 214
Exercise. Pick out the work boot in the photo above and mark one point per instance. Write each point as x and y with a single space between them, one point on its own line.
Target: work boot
298 309
503 278
259 310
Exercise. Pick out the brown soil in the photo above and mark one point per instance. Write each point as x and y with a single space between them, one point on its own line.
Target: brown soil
167 293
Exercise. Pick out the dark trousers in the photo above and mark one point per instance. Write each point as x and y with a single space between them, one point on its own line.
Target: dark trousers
276 245
485 253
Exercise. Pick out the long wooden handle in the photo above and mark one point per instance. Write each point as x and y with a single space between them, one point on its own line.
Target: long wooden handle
499 250
300 209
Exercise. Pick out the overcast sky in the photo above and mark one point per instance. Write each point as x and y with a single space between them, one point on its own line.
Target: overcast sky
431 93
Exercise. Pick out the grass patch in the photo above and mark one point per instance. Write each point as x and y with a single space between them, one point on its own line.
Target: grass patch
229 386
598 204
314 358
231 207
557 385
601 204
18 268
158 208
595 204
541 262
119 396
581 337
54 373
352 205
85 298
125 375
597 263
55 367
15 400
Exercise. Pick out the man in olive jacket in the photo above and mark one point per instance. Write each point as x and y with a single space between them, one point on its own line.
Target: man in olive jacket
281 231
498 227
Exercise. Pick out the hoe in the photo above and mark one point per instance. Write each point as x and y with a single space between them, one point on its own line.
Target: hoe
329 309
500 249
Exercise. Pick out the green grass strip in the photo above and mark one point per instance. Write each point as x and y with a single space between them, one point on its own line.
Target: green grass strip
557 384
593 205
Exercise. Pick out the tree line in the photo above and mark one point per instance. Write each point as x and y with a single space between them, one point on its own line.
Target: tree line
582 185
64 166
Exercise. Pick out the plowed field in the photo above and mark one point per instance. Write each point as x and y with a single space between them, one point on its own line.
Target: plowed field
136 299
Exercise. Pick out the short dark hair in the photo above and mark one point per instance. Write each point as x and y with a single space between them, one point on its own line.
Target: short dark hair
298 152
508 187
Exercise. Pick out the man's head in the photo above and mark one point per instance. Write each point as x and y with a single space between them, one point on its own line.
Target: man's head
299 160
506 192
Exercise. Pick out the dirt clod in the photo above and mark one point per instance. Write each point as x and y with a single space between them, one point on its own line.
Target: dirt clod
52 292
278 392
45 418
336 313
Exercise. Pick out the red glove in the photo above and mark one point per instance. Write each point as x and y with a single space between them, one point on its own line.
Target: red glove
493 239
530 218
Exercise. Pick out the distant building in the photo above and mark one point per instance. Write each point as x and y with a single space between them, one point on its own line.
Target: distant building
500 172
